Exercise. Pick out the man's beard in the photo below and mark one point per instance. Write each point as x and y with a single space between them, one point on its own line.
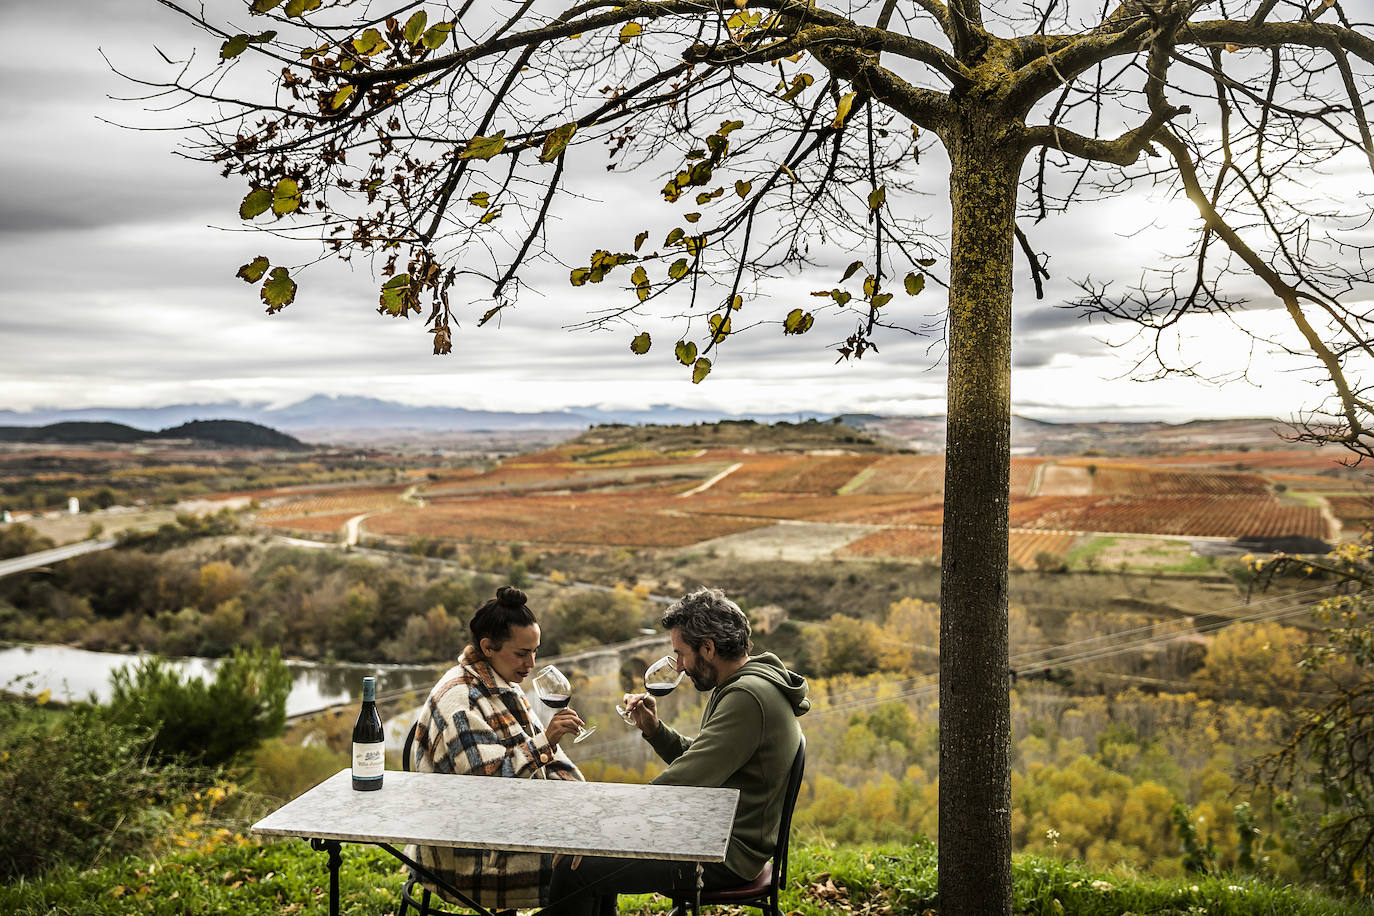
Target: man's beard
702 675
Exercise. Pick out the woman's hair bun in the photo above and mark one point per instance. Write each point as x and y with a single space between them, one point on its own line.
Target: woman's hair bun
511 596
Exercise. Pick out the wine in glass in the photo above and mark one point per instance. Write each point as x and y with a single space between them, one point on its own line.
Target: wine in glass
659 680
556 693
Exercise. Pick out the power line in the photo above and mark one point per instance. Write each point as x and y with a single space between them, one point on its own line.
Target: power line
1152 629
1079 652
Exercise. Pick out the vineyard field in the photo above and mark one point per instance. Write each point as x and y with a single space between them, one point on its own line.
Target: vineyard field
1199 516
569 495
587 519
924 543
317 524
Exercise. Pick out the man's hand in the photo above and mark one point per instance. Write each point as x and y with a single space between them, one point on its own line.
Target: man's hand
643 708
564 722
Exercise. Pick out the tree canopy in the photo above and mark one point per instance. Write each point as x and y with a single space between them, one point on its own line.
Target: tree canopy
444 139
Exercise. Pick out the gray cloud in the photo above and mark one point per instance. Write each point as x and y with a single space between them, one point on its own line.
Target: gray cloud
117 290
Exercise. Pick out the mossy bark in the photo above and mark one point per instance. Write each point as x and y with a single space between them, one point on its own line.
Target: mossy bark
975 723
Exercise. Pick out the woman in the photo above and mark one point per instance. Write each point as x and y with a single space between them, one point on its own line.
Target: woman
479 710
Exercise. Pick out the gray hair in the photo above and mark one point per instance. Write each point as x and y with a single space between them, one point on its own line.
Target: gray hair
707 614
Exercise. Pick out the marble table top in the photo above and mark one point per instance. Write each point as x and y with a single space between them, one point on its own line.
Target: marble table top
681 823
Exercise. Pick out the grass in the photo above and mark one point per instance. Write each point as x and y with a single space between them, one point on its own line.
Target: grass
1194 565
1076 556
241 877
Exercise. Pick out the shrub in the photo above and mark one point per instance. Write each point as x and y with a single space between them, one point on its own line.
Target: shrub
19 539
205 723
283 771
577 619
186 529
76 786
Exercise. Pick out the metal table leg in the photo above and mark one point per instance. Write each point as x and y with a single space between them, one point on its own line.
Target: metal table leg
335 860
434 879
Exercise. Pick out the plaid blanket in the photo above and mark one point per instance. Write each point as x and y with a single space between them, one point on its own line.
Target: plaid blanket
475 723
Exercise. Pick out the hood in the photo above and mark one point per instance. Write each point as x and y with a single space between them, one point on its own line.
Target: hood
789 683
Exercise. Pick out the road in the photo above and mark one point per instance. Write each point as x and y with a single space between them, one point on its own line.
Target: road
56 555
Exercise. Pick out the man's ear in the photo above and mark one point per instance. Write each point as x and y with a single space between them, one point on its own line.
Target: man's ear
708 649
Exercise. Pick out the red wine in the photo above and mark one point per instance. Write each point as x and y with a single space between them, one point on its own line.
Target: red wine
659 690
369 742
556 700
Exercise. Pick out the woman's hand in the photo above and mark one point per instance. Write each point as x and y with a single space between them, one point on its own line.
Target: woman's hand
564 722
643 708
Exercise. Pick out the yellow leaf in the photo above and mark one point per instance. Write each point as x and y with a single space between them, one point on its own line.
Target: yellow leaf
700 370
797 322
484 147
43 697
631 30
842 109
557 141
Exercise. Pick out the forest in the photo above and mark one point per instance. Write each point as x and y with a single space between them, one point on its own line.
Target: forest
1134 734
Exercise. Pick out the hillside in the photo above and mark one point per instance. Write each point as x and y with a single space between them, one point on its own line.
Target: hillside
806 436
232 433
74 432
225 433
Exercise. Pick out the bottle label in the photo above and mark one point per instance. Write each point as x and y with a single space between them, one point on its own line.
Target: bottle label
369 760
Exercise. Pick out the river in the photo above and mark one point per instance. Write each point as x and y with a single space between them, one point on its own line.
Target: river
76 674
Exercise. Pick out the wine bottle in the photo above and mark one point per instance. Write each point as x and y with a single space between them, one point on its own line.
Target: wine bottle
369 743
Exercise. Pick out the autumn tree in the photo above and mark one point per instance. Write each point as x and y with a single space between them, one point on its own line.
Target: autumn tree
1329 751
442 139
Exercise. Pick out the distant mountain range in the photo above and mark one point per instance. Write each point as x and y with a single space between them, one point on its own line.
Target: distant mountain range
328 412
327 419
231 433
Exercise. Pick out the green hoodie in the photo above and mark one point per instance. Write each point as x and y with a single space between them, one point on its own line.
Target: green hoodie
748 738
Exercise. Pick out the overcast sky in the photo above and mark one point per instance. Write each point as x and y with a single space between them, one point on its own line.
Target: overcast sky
119 264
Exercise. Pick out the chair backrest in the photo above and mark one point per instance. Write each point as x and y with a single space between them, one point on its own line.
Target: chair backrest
789 801
405 750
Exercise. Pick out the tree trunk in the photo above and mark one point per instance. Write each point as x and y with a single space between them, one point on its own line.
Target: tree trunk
975 719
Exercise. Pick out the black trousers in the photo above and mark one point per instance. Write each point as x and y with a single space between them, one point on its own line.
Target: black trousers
591 888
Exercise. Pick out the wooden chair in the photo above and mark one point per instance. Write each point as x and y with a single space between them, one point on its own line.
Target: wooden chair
761 893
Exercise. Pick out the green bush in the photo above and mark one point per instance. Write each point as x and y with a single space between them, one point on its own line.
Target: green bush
204 723
18 539
281 771
76 787
186 529
578 619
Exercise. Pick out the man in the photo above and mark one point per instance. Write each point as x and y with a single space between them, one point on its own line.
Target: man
748 738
